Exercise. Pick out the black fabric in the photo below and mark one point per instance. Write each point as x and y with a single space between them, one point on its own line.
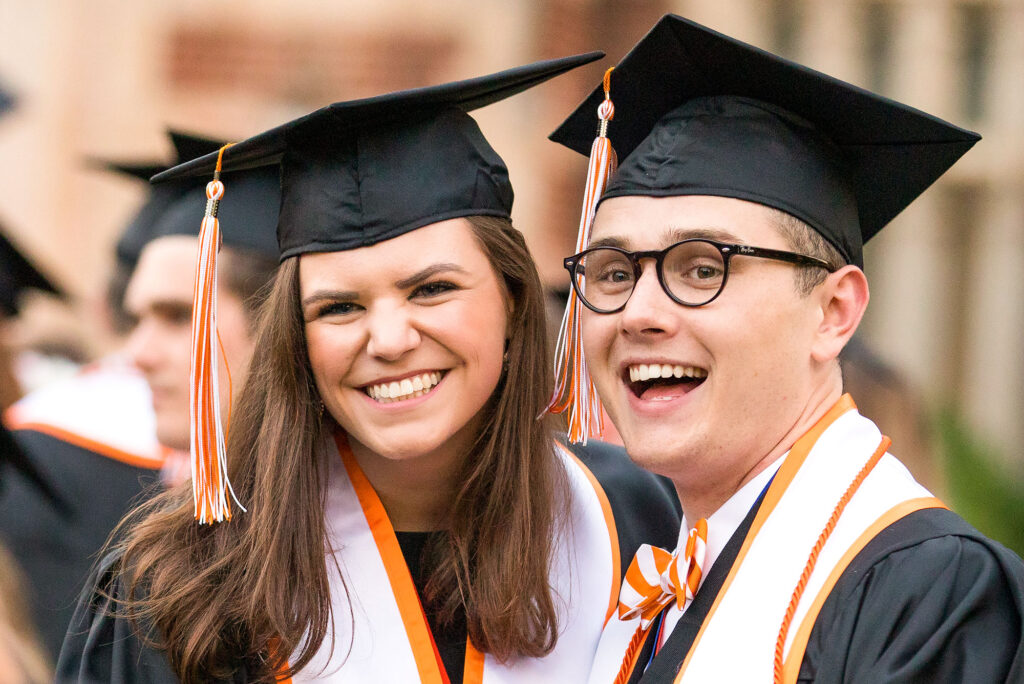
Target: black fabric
17 274
139 230
56 549
102 648
247 213
7 101
669 659
13 456
644 505
928 600
451 639
889 152
359 172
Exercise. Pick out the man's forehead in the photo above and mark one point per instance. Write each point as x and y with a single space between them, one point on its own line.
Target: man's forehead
643 222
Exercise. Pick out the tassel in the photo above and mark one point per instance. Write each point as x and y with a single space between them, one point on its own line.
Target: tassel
574 391
210 485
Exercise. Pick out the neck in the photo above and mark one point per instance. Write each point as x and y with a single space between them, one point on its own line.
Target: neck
702 502
416 492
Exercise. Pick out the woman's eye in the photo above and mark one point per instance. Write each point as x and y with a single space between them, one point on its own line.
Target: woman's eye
433 289
337 309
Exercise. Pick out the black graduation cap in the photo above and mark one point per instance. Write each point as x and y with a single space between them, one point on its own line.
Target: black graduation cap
17 274
248 211
139 230
700 113
359 172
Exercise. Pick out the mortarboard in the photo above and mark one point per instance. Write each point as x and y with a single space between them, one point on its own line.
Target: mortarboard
248 212
359 172
352 174
700 113
17 274
138 232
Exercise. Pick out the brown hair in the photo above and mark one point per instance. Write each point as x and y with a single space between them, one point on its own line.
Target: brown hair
256 589
805 240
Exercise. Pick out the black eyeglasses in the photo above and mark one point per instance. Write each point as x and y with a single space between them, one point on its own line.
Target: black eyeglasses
692 272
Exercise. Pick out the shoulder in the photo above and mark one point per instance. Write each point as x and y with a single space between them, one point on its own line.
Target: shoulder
644 505
930 596
102 645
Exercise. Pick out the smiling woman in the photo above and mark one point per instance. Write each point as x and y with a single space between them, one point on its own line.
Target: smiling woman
408 516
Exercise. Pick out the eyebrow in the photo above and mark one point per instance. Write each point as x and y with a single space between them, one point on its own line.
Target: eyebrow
426 273
675 235
403 284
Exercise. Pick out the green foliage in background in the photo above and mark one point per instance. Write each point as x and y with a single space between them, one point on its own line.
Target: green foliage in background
981 488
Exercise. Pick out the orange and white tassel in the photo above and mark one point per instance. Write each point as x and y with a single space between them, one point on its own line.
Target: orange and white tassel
210 485
574 390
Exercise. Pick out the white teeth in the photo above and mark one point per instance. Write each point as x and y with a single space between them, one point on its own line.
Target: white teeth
644 371
404 389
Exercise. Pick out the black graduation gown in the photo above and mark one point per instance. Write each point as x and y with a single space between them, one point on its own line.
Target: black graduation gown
101 647
56 548
930 599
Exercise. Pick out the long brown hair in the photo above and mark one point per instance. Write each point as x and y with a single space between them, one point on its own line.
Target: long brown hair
256 589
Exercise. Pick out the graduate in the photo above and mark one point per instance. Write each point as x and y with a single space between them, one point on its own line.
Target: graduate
115 433
389 506
716 285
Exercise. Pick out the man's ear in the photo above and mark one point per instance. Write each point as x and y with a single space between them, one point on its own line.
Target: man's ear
843 298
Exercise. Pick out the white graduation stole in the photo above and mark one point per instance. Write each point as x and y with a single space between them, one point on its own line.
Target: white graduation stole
737 640
389 636
106 408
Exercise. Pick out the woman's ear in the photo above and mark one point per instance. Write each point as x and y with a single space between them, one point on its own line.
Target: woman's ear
843 298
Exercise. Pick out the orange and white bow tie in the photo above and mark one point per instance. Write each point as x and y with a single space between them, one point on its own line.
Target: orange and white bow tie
652 580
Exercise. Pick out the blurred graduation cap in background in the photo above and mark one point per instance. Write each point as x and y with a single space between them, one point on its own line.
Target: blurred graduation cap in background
18 275
172 208
138 232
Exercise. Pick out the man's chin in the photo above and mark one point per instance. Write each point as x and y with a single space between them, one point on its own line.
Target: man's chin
174 437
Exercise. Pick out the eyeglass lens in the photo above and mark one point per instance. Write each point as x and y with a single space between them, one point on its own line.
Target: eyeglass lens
693 272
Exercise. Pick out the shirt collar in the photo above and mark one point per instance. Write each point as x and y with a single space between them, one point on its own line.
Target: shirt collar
723 522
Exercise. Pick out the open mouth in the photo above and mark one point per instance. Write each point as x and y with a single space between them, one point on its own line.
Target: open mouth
406 388
654 381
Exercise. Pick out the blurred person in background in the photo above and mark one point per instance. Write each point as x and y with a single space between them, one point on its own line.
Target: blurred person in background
117 432
408 518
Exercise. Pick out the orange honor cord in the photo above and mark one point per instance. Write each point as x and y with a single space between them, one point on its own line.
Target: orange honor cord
812 560
574 390
210 485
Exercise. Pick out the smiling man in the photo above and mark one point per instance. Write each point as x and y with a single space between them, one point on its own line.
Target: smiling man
722 278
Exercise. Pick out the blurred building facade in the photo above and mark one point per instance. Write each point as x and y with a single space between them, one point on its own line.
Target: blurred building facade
104 77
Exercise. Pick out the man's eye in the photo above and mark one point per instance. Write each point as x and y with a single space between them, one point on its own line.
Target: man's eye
433 289
705 272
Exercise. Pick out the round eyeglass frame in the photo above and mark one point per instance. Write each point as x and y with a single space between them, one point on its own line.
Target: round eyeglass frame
727 251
